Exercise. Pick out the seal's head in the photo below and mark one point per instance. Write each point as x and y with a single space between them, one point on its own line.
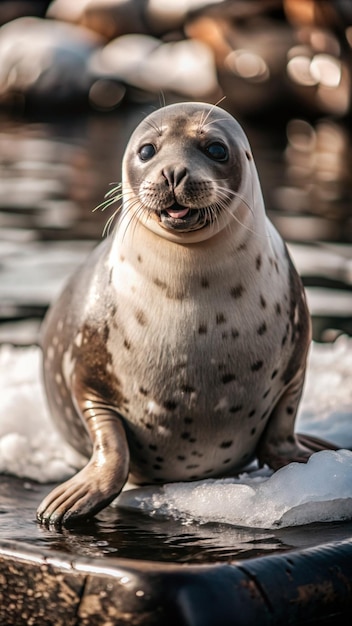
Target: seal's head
184 171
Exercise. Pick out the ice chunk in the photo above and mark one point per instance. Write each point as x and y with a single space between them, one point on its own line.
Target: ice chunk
319 491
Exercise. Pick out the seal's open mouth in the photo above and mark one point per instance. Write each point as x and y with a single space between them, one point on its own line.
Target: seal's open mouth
177 211
181 218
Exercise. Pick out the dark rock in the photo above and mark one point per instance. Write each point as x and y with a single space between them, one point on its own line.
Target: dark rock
109 18
45 61
12 9
185 68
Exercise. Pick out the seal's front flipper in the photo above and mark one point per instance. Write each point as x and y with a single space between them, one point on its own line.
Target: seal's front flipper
97 484
83 495
315 444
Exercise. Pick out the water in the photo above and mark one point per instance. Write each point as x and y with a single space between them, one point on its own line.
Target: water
132 535
52 174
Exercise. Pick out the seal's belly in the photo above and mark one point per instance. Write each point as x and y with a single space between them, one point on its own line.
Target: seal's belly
199 387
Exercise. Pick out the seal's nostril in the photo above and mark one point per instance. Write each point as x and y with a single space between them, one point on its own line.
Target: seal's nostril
174 175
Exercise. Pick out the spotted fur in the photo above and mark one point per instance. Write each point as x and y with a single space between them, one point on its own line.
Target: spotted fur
177 352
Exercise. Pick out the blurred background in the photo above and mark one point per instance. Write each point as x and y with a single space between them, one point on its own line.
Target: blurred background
76 77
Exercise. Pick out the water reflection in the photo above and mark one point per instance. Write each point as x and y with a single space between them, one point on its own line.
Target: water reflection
131 535
317 177
52 174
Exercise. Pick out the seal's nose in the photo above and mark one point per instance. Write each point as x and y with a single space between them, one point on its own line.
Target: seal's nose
174 175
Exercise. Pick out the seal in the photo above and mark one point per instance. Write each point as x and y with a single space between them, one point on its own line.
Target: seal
178 351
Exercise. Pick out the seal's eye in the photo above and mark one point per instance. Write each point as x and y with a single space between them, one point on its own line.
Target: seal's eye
217 151
146 152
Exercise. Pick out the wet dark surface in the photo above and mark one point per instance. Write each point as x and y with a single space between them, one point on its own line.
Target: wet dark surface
133 535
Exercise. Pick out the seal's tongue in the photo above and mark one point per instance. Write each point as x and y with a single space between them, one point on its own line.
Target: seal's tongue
177 213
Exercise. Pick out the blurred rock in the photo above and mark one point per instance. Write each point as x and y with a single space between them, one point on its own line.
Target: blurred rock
12 9
171 16
250 57
109 18
319 72
113 18
267 57
322 13
106 94
168 16
265 61
43 61
185 68
66 10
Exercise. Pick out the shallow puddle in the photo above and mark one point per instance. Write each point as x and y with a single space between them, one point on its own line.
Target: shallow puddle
132 535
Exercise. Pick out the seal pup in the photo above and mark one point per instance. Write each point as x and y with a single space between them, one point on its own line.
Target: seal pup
178 351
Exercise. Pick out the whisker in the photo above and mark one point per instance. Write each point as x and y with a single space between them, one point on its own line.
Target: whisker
219 101
131 215
203 122
212 217
108 224
154 126
224 191
117 187
105 205
113 190
162 100
109 198
218 119
234 216
216 211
